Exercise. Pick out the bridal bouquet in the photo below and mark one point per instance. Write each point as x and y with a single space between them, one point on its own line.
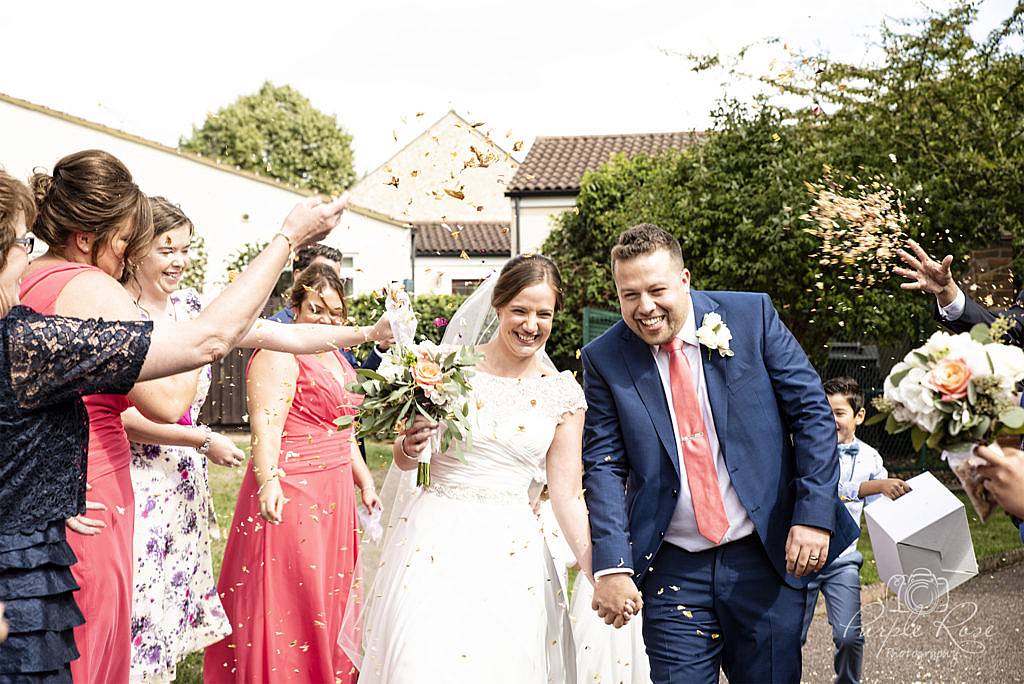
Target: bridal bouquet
954 392
415 378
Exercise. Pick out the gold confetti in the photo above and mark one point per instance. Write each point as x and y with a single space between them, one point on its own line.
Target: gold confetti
457 194
517 145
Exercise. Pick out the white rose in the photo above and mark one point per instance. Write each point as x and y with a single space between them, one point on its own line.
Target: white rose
1008 361
711 320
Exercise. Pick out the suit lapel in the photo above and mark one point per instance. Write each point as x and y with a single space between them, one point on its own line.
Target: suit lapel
715 376
644 371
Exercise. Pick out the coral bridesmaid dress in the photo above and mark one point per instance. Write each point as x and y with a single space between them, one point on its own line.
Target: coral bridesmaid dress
286 587
104 567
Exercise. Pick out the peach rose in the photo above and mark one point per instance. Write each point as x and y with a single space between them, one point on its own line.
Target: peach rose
950 377
427 373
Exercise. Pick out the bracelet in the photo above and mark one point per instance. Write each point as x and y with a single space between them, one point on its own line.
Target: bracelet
401 447
291 245
366 335
204 448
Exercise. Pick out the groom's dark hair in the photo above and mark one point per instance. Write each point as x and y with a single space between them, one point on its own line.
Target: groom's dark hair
643 239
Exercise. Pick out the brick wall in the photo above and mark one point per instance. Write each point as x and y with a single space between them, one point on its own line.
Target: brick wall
989 278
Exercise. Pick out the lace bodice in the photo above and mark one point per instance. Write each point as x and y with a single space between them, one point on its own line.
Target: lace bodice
46 364
514 423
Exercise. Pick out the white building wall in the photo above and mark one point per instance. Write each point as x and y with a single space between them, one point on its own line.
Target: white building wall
380 250
434 274
536 219
228 209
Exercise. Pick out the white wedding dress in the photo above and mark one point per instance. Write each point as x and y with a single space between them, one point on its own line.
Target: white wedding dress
466 591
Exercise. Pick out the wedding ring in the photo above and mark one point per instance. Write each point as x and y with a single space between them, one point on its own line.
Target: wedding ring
813 558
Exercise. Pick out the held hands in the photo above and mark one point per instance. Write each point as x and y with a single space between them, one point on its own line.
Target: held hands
616 599
806 549
927 275
87 526
1003 476
223 451
312 219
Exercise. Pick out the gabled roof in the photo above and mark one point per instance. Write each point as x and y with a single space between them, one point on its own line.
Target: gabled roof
117 133
452 171
555 164
475 238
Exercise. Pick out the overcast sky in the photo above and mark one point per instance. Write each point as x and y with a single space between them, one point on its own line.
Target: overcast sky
557 67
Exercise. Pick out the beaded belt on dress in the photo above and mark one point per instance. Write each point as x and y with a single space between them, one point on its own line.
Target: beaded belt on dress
482 494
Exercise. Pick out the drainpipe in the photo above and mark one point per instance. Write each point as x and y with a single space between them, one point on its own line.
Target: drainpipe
516 205
412 257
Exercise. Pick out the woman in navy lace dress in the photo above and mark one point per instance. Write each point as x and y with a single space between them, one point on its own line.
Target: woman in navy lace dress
46 364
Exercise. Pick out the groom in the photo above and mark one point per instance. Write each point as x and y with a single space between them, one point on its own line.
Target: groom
710 471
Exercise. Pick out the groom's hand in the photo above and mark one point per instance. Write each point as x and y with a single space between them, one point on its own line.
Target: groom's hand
616 598
806 549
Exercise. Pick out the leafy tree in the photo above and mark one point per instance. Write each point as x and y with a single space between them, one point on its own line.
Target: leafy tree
195 275
945 107
278 133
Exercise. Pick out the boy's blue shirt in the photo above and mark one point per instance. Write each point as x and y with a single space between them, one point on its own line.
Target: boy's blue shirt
853 470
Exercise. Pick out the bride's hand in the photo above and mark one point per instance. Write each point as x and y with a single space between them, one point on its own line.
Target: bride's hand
417 436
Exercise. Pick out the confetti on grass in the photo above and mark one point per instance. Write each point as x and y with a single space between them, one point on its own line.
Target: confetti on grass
860 225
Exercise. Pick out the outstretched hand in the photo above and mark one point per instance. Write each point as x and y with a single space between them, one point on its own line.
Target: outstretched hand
927 274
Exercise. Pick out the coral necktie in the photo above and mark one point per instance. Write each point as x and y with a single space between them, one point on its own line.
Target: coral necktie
708 507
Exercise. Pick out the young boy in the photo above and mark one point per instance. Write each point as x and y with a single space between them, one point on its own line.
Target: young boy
861 477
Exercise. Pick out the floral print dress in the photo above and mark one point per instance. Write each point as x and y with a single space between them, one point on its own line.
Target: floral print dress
175 607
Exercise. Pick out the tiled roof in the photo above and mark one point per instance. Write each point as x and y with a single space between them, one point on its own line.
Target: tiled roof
556 164
452 239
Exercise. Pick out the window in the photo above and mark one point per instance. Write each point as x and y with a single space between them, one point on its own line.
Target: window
348 273
465 287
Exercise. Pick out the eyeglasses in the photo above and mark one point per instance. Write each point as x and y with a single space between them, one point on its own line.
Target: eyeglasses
28 243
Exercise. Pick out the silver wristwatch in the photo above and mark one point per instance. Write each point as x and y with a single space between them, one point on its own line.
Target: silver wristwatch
205 446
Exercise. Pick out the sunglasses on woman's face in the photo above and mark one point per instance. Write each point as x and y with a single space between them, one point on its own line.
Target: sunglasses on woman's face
28 243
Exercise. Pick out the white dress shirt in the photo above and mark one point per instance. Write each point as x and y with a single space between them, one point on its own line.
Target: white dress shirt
955 309
682 530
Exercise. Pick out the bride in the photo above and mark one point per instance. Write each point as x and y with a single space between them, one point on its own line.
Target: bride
466 591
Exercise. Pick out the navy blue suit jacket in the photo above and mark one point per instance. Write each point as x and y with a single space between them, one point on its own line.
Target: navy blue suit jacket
774 424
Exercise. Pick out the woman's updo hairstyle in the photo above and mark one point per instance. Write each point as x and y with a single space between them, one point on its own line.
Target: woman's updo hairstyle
91 192
316 278
168 216
522 271
15 199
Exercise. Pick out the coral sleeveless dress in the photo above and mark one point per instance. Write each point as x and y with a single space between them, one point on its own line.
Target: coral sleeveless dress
286 588
104 568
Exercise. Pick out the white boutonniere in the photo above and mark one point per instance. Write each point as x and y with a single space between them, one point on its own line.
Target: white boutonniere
714 334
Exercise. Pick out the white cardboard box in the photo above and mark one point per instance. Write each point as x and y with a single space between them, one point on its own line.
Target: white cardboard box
921 541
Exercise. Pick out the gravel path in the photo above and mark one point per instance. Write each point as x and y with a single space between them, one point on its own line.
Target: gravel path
977 638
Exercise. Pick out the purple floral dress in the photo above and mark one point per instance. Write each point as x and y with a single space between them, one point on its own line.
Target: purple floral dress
175 607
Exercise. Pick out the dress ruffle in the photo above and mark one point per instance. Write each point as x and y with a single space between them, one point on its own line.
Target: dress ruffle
37 587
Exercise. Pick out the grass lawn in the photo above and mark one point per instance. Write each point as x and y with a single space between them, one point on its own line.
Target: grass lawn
995 536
